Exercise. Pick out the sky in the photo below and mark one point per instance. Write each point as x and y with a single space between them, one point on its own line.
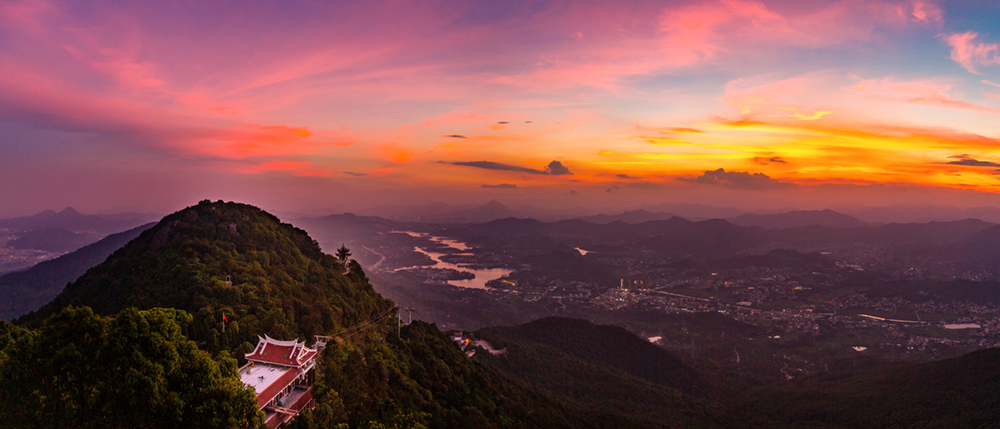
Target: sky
325 106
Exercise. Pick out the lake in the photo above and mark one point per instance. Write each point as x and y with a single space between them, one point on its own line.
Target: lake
482 276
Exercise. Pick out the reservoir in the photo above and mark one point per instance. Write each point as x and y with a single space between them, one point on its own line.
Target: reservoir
482 276
963 326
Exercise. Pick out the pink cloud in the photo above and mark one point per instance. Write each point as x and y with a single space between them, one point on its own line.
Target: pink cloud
969 53
931 93
147 126
928 13
25 14
271 166
692 34
702 31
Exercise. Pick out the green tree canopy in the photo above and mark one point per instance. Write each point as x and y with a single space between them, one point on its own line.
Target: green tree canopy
82 370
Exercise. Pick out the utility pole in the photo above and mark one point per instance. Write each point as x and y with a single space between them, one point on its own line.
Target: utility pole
399 324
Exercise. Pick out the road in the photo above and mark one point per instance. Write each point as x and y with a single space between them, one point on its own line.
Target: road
375 265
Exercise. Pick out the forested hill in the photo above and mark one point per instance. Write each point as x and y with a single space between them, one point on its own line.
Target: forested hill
172 280
282 284
602 367
951 393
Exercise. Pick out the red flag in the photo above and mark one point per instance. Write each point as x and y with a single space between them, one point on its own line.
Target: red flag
224 320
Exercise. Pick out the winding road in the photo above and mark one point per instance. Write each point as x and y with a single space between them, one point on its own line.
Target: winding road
375 265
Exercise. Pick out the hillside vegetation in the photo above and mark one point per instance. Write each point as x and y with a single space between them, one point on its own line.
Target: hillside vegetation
136 370
604 368
952 393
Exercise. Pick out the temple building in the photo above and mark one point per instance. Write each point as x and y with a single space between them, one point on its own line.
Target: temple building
282 374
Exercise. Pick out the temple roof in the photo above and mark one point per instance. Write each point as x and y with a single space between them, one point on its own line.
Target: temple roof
286 353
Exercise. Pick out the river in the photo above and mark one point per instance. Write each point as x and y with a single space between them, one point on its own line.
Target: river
482 276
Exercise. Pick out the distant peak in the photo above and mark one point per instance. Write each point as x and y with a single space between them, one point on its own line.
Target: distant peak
69 211
494 203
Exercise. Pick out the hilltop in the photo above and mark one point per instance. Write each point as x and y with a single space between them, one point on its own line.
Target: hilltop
281 283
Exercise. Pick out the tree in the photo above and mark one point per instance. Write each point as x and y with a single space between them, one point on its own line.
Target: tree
135 370
343 253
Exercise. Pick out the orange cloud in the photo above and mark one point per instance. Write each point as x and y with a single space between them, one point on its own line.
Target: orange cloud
824 97
395 153
812 116
682 130
824 152
254 140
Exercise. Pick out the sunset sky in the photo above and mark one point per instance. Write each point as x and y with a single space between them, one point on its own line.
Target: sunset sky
332 106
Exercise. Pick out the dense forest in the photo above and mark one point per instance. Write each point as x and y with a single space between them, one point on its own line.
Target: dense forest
133 370
608 368
605 368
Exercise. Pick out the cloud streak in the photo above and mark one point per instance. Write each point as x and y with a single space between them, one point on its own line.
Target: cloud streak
490 165
555 168
737 180
968 160
765 160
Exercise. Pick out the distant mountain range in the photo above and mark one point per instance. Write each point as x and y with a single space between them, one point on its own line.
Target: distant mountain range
921 213
25 291
633 217
798 229
71 220
798 218
445 213
54 240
